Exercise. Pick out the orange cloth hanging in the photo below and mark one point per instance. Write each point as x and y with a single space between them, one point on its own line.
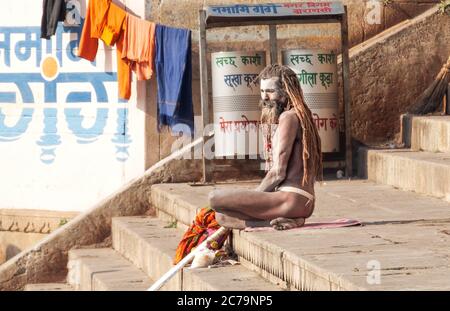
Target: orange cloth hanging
93 28
203 226
105 20
139 46
113 25
114 33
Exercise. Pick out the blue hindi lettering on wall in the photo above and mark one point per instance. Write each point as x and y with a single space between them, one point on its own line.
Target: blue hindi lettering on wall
40 75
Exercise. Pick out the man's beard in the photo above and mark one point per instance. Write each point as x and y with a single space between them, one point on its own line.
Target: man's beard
271 111
270 114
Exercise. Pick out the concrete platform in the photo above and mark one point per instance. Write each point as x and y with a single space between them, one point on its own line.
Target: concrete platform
48 287
423 172
150 244
403 244
104 269
430 133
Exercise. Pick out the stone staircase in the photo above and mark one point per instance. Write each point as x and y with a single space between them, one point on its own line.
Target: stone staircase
402 245
406 233
142 251
424 168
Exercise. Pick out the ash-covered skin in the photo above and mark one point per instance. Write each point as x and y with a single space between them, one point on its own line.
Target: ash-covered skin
265 206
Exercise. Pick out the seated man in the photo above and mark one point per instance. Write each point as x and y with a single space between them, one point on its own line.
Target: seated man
285 197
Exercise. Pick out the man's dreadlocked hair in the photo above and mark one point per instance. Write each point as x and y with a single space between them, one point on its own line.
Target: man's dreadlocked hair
312 153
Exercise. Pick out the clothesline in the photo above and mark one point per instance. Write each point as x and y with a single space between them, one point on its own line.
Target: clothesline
143 47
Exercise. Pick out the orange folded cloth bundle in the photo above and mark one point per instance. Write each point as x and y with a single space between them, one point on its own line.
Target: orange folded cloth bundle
203 226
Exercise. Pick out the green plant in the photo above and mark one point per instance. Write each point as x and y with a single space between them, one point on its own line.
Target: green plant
172 224
63 221
444 6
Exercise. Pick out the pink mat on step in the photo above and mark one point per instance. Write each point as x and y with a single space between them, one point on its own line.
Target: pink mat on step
339 223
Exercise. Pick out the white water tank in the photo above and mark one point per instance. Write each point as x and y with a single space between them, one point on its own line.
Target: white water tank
317 73
236 96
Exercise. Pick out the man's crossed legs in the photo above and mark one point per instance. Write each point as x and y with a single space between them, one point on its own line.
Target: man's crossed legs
239 209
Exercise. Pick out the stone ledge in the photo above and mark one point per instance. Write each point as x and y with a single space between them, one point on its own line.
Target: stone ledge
33 221
431 133
49 287
422 172
427 133
150 245
103 269
228 278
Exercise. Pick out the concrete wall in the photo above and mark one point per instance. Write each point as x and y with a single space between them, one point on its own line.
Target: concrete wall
20 229
366 19
391 70
66 140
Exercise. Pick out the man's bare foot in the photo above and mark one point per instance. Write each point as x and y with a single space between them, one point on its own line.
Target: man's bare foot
282 223
230 222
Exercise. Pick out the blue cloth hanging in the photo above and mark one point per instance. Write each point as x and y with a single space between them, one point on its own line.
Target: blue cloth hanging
174 78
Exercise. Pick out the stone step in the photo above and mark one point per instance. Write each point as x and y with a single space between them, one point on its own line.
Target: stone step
181 202
423 172
48 287
104 269
402 244
150 244
430 133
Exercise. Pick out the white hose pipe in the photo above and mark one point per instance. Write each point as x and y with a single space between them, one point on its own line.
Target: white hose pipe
169 274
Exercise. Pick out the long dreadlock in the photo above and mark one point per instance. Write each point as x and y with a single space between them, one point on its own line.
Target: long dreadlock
312 152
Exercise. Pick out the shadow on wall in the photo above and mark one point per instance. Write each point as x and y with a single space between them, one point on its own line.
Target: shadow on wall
8 252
